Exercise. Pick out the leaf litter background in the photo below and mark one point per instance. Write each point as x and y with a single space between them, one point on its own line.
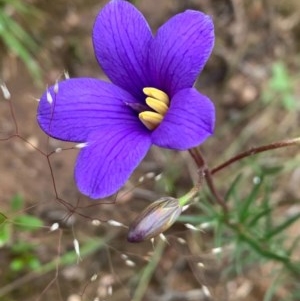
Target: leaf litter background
251 77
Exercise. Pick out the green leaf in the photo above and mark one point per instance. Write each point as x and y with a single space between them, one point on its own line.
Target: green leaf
194 219
281 87
219 234
3 218
244 208
262 213
207 207
28 222
5 234
271 291
280 81
21 247
289 102
34 263
17 265
271 170
23 7
233 186
15 29
17 203
17 46
294 245
281 227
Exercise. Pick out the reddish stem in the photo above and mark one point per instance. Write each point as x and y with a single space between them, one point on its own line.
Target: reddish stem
200 162
255 150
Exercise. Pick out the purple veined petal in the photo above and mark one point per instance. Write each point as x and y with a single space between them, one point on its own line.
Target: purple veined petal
121 38
81 106
189 121
180 50
111 156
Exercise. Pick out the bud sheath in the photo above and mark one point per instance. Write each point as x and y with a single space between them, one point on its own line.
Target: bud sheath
155 219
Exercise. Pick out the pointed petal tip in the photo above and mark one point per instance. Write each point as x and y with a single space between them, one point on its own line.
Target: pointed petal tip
180 50
121 37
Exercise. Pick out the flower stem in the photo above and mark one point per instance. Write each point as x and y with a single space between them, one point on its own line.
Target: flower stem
201 164
255 150
197 187
237 228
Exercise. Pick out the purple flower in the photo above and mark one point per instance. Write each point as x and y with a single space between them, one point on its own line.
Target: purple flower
151 99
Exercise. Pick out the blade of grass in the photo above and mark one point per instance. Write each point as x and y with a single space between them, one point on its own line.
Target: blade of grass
233 187
244 208
68 258
148 272
14 45
264 212
13 28
24 8
280 228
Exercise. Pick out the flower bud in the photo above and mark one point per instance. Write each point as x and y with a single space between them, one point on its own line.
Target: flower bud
155 219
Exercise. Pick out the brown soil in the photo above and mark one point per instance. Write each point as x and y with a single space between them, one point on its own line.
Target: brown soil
250 36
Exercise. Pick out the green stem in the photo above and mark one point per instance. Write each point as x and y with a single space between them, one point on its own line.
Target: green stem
188 196
246 237
148 272
293 267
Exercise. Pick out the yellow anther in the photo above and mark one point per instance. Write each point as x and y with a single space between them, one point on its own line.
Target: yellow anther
157 105
151 119
157 94
158 101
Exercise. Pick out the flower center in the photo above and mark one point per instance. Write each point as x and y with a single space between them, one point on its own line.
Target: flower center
159 102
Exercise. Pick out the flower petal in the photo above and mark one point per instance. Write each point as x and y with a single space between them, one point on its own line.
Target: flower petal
180 50
81 106
107 162
121 38
188 122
